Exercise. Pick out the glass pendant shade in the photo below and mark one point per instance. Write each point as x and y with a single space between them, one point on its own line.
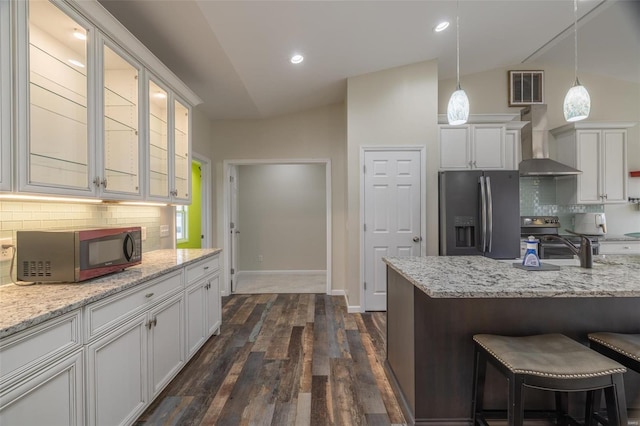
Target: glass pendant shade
458 108
577 103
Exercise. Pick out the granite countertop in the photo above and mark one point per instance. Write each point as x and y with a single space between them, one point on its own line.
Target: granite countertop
482 277
615 238
25 306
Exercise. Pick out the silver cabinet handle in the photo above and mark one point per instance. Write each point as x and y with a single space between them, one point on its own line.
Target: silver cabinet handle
148 295
483 213
489 215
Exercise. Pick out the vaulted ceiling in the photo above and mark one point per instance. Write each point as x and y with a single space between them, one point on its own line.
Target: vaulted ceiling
235 54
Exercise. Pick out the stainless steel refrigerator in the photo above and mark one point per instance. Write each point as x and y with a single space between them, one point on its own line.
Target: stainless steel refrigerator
480 213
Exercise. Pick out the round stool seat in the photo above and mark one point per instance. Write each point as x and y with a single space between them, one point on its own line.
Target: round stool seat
625 344
548 355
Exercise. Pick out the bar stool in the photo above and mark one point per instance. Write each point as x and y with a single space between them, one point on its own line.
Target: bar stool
623 348
550 362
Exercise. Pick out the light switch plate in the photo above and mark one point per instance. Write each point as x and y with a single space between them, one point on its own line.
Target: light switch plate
143 233
164 230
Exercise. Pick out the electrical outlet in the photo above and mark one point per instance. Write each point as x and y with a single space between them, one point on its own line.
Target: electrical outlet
260 258
143 233
5 253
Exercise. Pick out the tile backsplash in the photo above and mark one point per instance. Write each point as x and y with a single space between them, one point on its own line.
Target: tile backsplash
538 198
19 215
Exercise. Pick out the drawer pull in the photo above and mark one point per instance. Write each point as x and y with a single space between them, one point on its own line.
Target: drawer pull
148 295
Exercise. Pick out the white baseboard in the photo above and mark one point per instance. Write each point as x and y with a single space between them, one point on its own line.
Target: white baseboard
282 272
339 292
354 309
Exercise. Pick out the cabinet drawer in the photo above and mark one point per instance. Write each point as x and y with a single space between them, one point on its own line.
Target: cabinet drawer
108 313
33 348
202 268
622 247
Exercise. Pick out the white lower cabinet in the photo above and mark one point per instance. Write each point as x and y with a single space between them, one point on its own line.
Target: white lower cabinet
116 374
166 343
53 396
620 247
203 311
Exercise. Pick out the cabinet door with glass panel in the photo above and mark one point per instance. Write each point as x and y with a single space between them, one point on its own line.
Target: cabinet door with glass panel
181 153
158 155
54 74
5 97
121 148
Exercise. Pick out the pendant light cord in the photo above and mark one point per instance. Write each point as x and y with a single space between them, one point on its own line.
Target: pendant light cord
575 37
458 43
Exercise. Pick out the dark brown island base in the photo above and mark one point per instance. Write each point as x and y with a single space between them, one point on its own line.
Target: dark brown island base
436 304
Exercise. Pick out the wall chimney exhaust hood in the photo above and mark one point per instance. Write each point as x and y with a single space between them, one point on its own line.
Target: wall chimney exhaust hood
535 146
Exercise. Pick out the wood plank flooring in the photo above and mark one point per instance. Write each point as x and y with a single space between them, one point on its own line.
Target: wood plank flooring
284 359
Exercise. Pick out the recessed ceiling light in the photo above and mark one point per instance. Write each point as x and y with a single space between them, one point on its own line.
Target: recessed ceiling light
296 59
441 26
79 34
76 63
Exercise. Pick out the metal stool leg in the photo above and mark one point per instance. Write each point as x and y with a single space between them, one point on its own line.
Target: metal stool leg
616 402
479 374
515 415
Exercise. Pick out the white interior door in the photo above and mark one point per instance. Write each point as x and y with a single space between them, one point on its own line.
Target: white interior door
392 216
233 226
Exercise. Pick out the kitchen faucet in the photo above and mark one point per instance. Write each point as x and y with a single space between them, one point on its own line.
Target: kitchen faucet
584 253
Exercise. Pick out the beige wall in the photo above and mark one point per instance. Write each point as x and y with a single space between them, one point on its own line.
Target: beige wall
394 107
315 134
611 100
282 217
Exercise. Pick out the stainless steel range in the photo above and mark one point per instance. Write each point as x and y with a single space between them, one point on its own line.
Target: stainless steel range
550 225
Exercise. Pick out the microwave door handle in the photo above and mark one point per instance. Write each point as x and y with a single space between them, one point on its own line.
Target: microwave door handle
489 215
483 213
128 247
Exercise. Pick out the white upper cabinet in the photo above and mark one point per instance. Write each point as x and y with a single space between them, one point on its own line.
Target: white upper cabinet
181 152
599 150
169 148
489 144
158 141
86 116
121 148
53 97
5 97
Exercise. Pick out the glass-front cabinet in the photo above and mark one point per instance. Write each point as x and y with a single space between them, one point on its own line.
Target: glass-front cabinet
5 96
58 155
181 153
121 144
91 120
158 141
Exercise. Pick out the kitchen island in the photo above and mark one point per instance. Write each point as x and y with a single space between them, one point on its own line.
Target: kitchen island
436 304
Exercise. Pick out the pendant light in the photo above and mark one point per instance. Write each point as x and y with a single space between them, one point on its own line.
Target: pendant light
458 108
577 103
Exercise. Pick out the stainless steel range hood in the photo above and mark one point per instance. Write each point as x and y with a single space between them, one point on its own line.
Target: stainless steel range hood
535 146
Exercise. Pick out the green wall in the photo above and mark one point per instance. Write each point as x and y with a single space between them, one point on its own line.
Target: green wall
195 210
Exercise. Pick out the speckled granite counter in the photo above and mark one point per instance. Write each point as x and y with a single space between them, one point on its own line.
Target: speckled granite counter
481 277
23 307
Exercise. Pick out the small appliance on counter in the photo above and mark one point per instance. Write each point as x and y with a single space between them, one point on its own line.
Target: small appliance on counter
76 255
590 224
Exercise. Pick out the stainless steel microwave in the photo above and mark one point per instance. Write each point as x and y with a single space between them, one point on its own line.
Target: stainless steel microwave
78 255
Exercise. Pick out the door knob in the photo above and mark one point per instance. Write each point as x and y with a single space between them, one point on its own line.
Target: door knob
417 239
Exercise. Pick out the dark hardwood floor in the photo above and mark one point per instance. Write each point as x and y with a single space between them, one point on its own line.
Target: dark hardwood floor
284 359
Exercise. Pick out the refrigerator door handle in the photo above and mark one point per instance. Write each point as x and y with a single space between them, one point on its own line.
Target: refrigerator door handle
483 213
489 214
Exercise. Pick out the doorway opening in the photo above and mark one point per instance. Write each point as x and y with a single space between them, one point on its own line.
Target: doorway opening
277 226
193 221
